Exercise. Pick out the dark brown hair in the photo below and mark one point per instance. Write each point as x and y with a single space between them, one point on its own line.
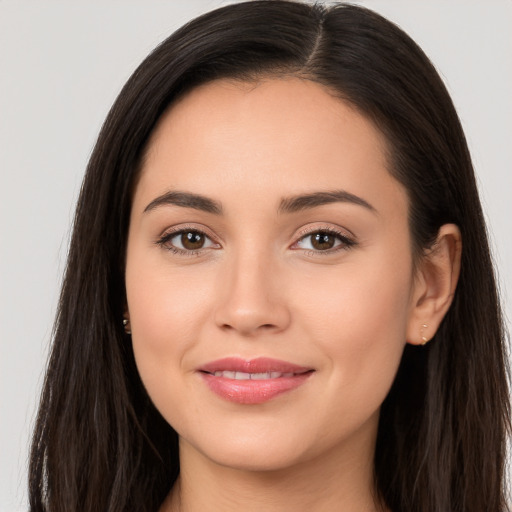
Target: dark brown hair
100 444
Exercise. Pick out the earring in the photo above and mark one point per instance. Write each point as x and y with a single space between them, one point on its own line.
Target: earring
126 324
424 340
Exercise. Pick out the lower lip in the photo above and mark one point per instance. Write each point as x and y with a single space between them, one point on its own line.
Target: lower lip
253 391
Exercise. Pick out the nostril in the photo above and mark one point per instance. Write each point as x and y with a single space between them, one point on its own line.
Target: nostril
260 327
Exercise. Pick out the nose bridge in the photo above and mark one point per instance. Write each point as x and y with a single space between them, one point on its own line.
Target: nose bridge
251 301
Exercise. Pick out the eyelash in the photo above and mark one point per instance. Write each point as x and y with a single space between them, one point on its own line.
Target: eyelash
346 242
164 240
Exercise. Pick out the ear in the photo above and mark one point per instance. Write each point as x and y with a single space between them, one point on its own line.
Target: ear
434 287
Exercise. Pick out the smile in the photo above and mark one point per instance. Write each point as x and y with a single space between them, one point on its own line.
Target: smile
252 376
255 381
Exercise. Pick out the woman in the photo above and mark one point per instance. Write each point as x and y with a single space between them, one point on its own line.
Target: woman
267 304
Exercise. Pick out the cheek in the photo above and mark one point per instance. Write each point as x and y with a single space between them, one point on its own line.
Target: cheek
167 310
358 317
365 295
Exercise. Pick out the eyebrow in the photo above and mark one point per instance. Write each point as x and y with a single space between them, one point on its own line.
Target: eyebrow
185 200
315 199
287 205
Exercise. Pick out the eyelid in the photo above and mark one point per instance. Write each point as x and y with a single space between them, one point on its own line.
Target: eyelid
347 238
344 235
188 226
169 233
315 228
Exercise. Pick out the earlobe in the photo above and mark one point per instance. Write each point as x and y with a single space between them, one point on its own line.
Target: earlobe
126 323
435 284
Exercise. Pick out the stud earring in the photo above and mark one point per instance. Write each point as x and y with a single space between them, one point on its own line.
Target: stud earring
424 340
126 324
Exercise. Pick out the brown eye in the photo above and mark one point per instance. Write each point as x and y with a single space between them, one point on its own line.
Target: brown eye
322 241
192 240
187 242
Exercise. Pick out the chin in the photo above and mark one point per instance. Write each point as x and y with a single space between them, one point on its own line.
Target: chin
249 453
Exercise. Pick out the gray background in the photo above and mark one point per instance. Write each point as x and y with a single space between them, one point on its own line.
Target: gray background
61 66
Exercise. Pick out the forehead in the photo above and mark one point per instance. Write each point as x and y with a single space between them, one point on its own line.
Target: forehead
283 136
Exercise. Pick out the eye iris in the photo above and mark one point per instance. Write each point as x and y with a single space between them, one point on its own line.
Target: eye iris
322 241
192 240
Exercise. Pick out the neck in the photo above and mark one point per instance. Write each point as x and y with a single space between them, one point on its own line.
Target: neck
332 483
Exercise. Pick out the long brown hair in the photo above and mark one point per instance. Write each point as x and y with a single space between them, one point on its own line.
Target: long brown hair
100 444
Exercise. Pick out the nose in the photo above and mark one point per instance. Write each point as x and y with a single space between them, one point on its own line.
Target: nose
252 298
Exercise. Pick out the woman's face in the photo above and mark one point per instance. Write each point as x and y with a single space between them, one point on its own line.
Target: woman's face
269 274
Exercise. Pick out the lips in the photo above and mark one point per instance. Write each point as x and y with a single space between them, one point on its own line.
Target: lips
255 381
252 376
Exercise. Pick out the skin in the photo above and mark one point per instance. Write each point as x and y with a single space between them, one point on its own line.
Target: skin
258 287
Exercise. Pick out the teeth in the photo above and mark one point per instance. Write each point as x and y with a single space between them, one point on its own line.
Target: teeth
251 376
263 376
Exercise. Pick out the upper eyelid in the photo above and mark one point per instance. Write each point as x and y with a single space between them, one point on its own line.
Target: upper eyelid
348 240
344 232
172 231
167 235
175 230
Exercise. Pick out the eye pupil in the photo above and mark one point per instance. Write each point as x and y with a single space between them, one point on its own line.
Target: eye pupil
192 240
323 241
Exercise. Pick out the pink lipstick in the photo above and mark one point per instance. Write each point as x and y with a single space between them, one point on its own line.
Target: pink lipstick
252 382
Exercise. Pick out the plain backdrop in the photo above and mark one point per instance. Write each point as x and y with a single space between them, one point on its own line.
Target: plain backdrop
62 63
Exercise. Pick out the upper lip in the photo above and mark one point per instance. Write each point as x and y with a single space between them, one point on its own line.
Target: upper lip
258 365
